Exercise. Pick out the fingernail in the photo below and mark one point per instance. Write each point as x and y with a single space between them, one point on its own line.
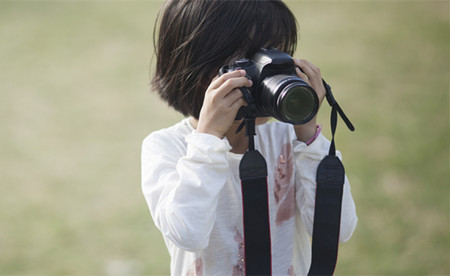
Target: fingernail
243 73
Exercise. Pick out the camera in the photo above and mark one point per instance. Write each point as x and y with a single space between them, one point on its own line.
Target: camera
277 91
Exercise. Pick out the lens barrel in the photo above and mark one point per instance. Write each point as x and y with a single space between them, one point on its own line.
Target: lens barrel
289 99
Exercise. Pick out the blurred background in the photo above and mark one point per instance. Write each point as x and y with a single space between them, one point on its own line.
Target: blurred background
75 105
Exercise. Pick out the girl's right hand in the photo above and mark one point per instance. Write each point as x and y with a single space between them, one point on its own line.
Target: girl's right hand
222 102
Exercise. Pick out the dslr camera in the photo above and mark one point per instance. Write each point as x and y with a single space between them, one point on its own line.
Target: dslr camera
277 91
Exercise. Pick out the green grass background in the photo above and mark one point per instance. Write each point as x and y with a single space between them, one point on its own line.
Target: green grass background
75 106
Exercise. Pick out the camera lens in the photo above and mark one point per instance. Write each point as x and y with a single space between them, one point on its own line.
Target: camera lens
288 99
297 103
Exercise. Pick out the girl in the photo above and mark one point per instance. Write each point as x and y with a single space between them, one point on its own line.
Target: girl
190 173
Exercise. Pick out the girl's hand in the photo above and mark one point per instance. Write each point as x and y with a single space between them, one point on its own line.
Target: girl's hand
222 102
312 76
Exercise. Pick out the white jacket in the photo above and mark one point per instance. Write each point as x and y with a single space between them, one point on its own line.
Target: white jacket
191 184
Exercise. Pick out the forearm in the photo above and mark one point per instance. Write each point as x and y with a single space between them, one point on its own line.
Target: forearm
183 196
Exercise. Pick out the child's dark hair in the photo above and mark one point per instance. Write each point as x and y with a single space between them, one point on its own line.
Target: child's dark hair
197 37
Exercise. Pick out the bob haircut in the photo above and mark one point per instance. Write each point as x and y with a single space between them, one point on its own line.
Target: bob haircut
197 37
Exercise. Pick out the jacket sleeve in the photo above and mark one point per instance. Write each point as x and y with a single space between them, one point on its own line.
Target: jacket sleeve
182 185
307 159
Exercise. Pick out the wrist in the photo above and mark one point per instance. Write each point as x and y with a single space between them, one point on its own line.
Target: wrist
210 131
200 128
307 133
318 130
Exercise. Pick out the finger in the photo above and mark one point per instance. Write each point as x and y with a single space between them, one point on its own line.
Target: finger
314 76
229 85
222 79
307 70
302 75
312 72
234 96
238 103
314 68
219 95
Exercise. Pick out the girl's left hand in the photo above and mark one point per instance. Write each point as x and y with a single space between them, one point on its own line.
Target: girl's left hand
312 76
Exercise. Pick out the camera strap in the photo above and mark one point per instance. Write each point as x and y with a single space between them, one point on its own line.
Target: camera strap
327 214
329 190
255 201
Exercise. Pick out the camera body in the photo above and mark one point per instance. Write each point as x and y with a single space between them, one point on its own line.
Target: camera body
277 91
